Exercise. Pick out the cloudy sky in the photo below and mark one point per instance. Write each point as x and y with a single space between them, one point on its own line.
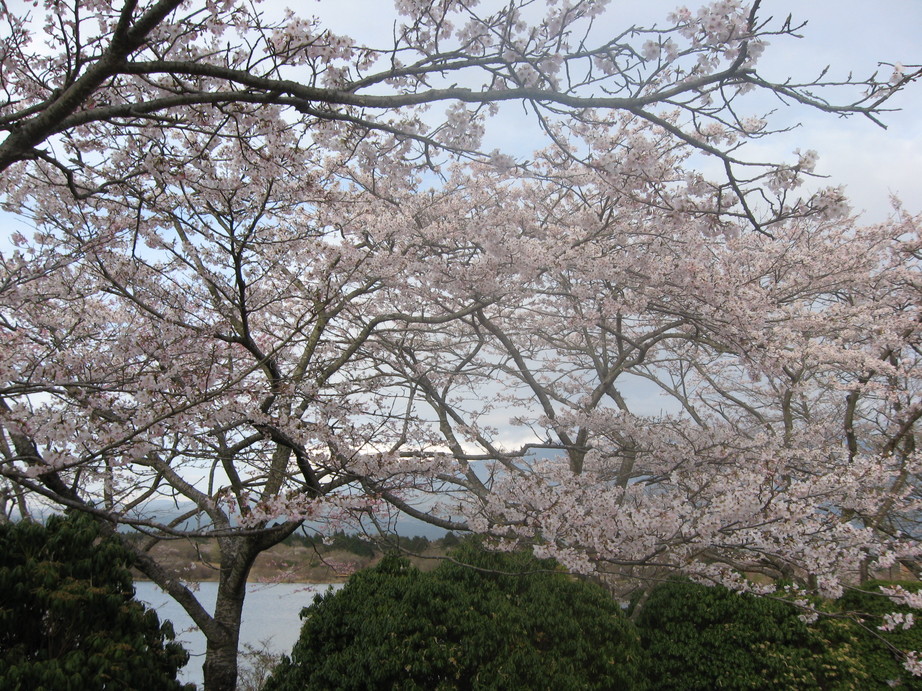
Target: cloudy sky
851 35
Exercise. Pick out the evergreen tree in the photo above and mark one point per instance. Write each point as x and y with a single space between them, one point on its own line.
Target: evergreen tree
510 622
68 617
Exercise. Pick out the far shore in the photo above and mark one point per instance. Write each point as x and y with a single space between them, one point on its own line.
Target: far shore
291 562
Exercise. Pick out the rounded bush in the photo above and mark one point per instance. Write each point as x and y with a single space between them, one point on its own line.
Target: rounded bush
708 637
500 621
68 617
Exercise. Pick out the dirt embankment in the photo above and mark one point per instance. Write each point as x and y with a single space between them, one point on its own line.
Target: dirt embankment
285 563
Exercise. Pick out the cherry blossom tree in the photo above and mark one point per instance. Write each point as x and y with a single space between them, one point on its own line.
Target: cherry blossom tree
788 372
213 351
787 367
270 282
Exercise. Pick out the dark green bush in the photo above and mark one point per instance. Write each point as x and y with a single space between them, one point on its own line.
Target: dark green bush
880 649
394 627
68 617
700 637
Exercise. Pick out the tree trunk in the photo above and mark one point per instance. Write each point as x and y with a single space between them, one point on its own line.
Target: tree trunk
222 629
220 668
221 661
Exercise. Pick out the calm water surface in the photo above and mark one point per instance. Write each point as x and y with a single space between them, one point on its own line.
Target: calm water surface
270 616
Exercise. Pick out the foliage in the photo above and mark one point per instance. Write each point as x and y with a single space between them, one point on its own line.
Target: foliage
355 544
883 651
68 617
415 543
701 637
449 540
499 621
340 540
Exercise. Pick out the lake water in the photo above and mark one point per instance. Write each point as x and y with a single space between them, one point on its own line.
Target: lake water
270 617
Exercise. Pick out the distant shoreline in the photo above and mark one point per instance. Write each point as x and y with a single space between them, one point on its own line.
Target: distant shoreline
334 581
292 561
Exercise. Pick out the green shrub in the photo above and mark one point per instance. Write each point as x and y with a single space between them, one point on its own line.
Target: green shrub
880 649
701 637
513 624
68 617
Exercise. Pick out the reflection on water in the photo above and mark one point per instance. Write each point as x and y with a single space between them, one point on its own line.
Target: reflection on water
270 615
